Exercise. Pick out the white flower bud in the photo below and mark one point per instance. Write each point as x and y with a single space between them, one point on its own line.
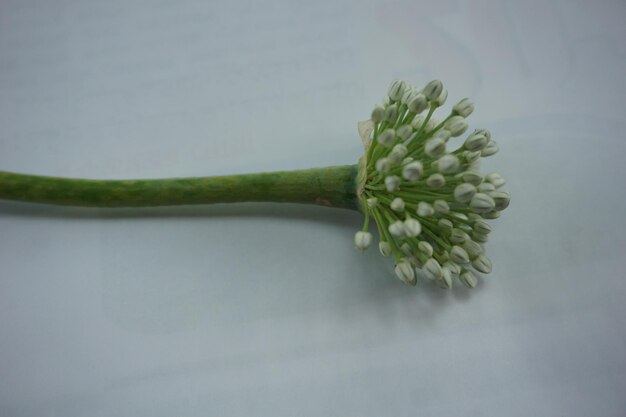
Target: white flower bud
418 103
493 214
439 101
392 182
391 113
425 247
485 132
362 240
397 205
404 271
456 125
435 147
372 202
445 224
404 132
478 237
463 108
407 160
436 181
384 248
475 142
383 165
454 269
425 210
387 137
471 157
458 215
458 255
396 229
397 153
418 121
433 89
482 203
486 187
442 134
448 164
406 249
432 123
472 248
490 149
495 179
416 262
458 236
432 269
481 227
441 207
396 89
468 279
445 281
377 114
473 177
409 94
412 171
464 192
412 227
482 264
501 198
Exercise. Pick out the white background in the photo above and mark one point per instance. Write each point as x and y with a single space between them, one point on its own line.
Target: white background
266 309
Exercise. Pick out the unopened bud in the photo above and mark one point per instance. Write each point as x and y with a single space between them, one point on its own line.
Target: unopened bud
436 181
404 271
418 103
448 164
412 171
396 229
433 89
392 182
384 248
425 248
387 137
441 207
463 108
458 255
440 101
468 279
383 165
482 264
425 210
362 240
432 269
464 192
495 179
391 113
377 114
397 205
412 227
491 149
396 90
475 142
482 203
435 147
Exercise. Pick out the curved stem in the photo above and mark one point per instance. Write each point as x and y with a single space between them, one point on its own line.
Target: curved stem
330 186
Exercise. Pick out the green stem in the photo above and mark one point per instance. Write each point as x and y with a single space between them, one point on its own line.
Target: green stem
331 186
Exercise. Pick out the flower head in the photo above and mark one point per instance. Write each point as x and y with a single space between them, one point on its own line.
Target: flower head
423 191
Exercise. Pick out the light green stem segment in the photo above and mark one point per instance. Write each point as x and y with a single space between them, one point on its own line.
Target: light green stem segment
332 186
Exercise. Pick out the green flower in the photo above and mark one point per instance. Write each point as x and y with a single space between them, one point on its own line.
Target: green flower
428 202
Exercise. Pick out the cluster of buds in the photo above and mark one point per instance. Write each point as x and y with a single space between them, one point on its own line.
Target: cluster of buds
428 203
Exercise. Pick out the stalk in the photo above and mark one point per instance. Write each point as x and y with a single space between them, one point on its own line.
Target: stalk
331 186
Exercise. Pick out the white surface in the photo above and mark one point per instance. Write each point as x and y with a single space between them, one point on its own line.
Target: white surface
268 310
